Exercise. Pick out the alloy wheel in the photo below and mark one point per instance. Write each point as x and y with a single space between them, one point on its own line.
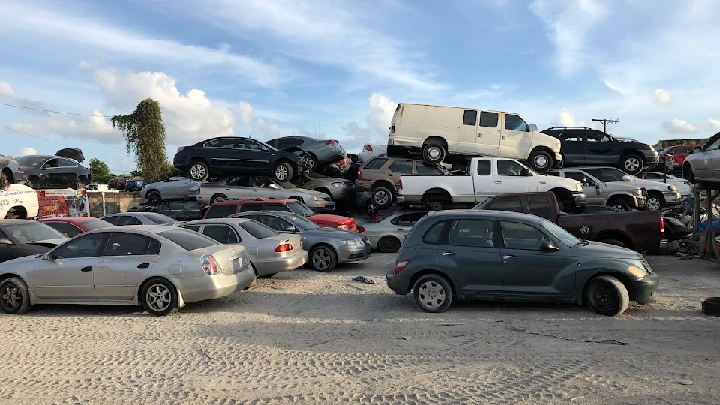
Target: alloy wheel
632 164
321 259
382 197
281 172
653 204
197 171
10 298
158 297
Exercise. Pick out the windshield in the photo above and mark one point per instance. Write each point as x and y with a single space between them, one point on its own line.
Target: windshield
30 231
258 230
300 208
188 240
31 161
159 218
266 145
560 234
303 223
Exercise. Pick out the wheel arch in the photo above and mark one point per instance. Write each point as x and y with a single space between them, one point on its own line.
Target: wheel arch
622 277
617 235
18 210
625 197
436 139
142 285
9 174
543 148
437 191
384 182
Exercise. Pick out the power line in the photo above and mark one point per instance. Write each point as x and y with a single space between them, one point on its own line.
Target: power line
64 119
51 111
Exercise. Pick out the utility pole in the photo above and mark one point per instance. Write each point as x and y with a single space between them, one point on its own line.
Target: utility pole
605 121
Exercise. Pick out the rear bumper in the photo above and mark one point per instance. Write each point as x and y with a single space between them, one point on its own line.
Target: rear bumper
399 285
280 264
642 290
201 288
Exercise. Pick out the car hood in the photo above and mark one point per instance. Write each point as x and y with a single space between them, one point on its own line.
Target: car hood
21 264
51 243
650 184
331 233
601 250
330 219
306 191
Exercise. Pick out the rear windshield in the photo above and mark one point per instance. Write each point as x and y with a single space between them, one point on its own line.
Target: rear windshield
220 211
258 230
94 224
187 239
300 208
158 218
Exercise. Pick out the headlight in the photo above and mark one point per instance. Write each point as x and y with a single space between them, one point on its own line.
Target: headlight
353 242
578 187
637 271
313 198
638 191
336 185
672 188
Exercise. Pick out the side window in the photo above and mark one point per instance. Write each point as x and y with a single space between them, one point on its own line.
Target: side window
572 136
251 207
64 228
51 163
471 232
128 220
469 117
66 163
509 168
515 123
408 219
375 164
612 175
425 169
506 204
401 166
221 233
483 167
597 173
112 220
489 119
521 236
275 223
540 206
130 244
221 211
579 176
434 235
176 205
597 136
276 207
195 228
88 245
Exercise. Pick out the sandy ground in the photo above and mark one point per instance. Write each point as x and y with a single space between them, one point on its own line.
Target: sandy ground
311 338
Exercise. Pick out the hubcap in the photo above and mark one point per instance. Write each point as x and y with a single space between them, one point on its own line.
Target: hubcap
281 172
309 162
381 197
653 204
541 161
321 259
432 294
632 164
158 297
197 171
434 152
11 298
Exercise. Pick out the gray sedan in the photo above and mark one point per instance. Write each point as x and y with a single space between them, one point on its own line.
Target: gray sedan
269 251
327 247
388 233
337 189
138 218
175 188
158 267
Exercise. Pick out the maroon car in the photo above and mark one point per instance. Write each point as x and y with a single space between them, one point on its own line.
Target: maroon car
71 226
118 183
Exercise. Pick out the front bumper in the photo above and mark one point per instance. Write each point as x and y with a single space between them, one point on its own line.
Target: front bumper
350 254
341 193
558 161
642 290
280 264
580 199
323 205
201 288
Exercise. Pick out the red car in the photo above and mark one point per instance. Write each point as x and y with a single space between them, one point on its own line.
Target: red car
226 208
71 226
118 183
678 153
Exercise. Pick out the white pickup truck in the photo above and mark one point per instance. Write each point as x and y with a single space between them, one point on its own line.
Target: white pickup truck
486 177
18 201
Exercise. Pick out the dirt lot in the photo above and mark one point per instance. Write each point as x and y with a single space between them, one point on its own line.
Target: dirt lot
312 338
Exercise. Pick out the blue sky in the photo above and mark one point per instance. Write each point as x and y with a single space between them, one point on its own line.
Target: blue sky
337 68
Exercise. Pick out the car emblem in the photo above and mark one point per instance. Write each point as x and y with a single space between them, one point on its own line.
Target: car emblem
584 230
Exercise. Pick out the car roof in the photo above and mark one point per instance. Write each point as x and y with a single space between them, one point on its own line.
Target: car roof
464 108
235 220
257 200
14 221
154 229
68 219
276 213
489 214
590 167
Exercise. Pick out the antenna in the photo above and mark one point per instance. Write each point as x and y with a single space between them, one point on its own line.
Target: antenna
605 121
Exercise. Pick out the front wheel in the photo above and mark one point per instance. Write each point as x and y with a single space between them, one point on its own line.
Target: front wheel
655 202
14 296
606 295
159 297
434 153
154 198
199 171
382 197
631 164
283 172
323 258
432 293
619 205
541 161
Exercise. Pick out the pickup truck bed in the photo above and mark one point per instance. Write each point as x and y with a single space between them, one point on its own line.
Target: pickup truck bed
638 230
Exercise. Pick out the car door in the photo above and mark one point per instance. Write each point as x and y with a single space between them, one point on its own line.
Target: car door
593 189
573 146
223 153
404 223
470 253
515 141
600 148
254 156
51 174
68 273
487 141
8 251
68 172
510 176
529 272
126 261
467 134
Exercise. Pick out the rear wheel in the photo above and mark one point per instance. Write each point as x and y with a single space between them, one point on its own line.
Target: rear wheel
619 205
310 161
389 244
432 293
631 163
382 197
159 297
199 171
218 198
541 161
14 296
606 295
154 197
434 152
283 172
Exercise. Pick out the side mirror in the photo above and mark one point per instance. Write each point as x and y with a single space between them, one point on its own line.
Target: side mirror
548 246
6 241
532 127
627 177
274 186
525 172
291 229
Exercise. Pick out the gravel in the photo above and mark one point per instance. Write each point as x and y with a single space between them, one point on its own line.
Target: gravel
310 338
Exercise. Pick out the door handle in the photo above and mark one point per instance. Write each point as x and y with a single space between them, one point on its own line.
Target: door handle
498 181
86 269
447 254
143 265
508 257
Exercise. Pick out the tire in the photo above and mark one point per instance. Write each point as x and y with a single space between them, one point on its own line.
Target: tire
382 197
323 258
311 162
541 161
14 296
437 205
389 244
369 208
267 275
711 306
606 295
631 163
283 172
159 297
655 202
218 198
153 197
198 171
613 242
434 152
4 181
619 205
432 293
687 173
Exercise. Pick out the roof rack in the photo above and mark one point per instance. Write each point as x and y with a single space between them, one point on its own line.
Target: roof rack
570 128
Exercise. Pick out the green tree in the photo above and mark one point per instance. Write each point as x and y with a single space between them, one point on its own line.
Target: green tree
144 133
100 171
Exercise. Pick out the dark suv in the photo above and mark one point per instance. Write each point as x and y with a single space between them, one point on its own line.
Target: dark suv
586 146
235 155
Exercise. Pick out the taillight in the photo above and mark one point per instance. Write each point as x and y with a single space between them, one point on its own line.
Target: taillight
368 148
210 265
662 225
330 143
181 148
285 247
359 174
399 185
401 266
346 221
361 228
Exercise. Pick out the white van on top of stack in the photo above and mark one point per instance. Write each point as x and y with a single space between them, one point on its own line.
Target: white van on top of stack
18 201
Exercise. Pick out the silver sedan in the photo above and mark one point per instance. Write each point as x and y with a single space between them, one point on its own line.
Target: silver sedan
158 267
269 251
174 188
388 233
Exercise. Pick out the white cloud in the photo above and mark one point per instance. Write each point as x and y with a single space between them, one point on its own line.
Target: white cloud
246 111
28 151
25 128
62 27
662 97
377 123
566 119
677 126
269 130
6 90
713 125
